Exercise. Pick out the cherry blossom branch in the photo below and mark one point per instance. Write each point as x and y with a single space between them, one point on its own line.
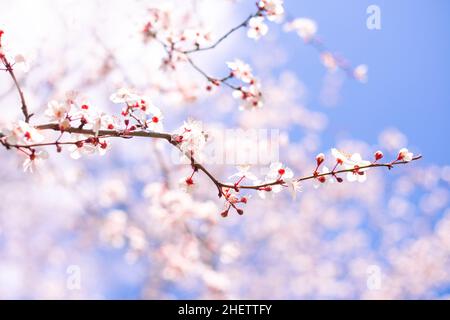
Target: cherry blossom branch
283 176
170 138
170 48
388 165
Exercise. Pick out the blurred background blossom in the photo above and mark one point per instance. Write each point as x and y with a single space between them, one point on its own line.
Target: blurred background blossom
122 218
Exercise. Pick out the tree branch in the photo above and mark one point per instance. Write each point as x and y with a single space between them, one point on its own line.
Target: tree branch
197 166
10 70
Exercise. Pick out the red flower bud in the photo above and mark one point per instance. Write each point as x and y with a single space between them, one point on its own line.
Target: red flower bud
320 158
378 155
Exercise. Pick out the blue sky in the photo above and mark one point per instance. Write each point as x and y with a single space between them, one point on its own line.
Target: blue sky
408 63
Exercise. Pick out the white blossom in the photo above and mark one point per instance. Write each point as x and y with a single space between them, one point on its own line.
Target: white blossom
293 187
257 28
124 95
34 160
244 171
198 37
57 111
23 132
87 145
241 70
278 171
154 122
192 136
360 73
187 184
339 156
356 162
329 61
251 97
405 155
274 9
305 28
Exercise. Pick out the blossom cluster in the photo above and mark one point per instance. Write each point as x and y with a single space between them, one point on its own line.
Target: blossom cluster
250 94
273 10
87 138
179 44
191 139
160 26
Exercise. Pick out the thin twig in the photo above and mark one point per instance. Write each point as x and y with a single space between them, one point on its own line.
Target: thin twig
215 44
10 70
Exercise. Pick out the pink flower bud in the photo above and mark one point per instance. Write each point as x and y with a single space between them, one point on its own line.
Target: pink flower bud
378 155
320 158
